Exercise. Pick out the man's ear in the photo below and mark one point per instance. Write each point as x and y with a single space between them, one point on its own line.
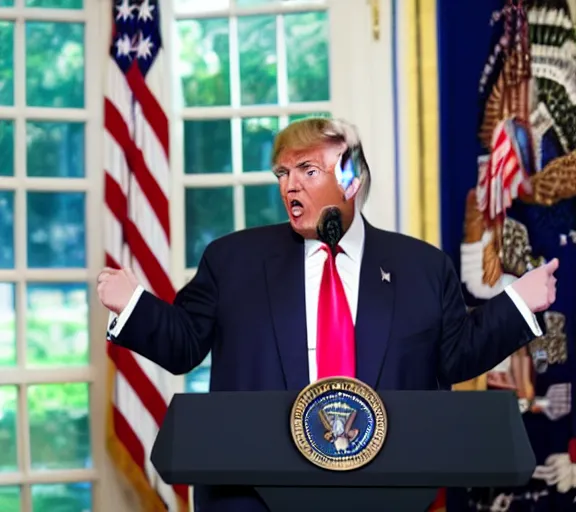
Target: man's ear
352 189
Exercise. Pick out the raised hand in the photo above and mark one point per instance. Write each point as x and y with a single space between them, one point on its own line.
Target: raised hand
115 288
538 287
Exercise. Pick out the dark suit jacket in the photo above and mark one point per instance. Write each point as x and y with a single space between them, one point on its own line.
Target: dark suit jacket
246 304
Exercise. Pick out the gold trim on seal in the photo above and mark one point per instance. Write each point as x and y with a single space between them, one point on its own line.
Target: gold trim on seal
335 384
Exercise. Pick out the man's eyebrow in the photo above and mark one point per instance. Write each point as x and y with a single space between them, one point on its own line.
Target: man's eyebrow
300 165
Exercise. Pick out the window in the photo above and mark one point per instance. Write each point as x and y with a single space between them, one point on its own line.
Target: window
244 70
48 254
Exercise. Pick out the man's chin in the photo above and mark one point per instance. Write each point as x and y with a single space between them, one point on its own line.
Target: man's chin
305 229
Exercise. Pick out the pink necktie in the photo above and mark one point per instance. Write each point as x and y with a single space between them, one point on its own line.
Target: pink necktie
335 347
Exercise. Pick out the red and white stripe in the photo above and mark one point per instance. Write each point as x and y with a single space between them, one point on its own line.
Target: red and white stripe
137 234
503 178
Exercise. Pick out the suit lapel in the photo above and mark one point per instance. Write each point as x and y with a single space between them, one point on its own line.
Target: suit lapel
375 310
286 293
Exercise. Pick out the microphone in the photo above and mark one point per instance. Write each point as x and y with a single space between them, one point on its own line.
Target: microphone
329 227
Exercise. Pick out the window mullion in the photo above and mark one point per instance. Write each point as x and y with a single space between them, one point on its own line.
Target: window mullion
23 435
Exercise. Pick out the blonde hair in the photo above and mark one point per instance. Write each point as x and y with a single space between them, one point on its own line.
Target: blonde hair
315 131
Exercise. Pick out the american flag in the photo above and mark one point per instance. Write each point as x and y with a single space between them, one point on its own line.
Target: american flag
502 178
137 235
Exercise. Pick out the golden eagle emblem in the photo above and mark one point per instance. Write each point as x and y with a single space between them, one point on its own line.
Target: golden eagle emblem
338 425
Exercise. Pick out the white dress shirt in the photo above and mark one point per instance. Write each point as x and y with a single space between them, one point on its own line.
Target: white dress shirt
348 266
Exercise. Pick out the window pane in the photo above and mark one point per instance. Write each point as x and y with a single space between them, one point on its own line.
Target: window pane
198 380
54 64
263 205
8 442
72 497
62 4
10 498
200 5
257 143
209 215
6 143
243 3
257 41
207 146
204 64
298 117
7 325
59 427
6 62
254 2
307 56
57 324
7 229
56 229
55 150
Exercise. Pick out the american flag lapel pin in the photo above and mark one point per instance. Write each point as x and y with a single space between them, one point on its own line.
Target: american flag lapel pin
385 275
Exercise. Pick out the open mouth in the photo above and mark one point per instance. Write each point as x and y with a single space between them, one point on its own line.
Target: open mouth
296 208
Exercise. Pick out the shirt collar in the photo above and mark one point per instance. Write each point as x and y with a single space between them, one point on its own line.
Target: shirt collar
352 243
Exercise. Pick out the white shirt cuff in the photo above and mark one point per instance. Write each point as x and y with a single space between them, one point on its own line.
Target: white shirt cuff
116 322
524 310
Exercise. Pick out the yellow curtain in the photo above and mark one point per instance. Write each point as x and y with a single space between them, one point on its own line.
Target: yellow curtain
420 57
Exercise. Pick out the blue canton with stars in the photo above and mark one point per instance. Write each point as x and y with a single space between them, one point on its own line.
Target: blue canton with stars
137 36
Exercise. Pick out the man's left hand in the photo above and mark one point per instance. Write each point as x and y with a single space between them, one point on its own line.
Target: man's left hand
538 287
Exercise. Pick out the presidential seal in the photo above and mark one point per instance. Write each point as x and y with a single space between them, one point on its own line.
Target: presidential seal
338 423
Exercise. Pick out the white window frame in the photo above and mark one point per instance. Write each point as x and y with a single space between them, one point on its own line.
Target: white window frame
235 112
94 374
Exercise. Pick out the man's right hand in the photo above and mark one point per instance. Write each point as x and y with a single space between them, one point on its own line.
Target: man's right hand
116 287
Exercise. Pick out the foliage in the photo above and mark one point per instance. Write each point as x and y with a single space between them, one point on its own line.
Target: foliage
54 64
307 37
6 138
6 63
258 60
71 497
56 335
6 228
204 64
67 347
62 4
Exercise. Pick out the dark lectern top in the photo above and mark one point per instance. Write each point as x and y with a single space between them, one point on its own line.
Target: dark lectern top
435 439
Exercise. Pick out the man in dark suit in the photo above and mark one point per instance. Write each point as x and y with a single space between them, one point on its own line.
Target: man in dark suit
272 304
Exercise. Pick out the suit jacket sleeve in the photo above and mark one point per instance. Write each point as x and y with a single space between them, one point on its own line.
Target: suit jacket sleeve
175 336
475 342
